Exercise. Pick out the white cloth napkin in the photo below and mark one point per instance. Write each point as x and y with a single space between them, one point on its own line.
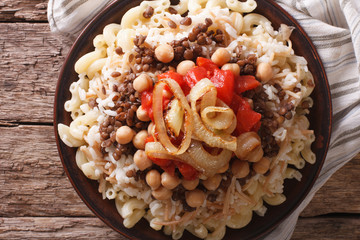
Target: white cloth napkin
333 26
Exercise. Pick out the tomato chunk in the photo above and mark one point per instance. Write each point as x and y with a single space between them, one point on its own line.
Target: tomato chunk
188 172
223 79
224 83
209 65
245 83
173 75
165 164
178 78
149 138
147 100
195 75
247 119
146 103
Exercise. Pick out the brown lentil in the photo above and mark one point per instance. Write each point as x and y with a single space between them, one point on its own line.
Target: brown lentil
172 24
138 60
288 115
115 74
186 21
146 67
188 54
139 39
192 37
278 87
147 59
119 51
149 11
247 65
196 30
219 38
172 10
208 22
201 40
202 27
178 193
281 94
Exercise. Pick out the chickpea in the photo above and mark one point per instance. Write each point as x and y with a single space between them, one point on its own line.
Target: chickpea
190 184
139 139
151 128
153 179
142 82
212 183
224 168
195 198
141 160
142 115
162 193
168 181
262 166
255 155
264 72
240 169
221 56
233 67
185 66
164 53
124 134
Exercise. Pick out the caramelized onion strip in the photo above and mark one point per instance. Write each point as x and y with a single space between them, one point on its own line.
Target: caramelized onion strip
159 116
217 117
201 131
196 156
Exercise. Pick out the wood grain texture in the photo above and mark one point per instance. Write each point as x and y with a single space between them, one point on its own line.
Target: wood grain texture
34 184
92 228
56 228
328 228
30 59
337 192
20 10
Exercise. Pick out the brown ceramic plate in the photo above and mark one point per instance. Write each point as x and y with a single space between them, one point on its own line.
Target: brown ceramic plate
295 191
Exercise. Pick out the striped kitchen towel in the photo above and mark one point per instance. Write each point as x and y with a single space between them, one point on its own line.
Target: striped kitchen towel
333 26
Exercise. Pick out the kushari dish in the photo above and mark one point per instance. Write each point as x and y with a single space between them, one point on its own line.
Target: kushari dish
191 115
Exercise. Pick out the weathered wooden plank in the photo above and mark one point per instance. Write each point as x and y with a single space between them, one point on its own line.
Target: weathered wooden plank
30 59
32 180
92 228
335 195
56 228
20 10
34 184
328 228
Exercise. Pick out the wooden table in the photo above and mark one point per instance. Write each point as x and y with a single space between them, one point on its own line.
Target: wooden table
36 198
